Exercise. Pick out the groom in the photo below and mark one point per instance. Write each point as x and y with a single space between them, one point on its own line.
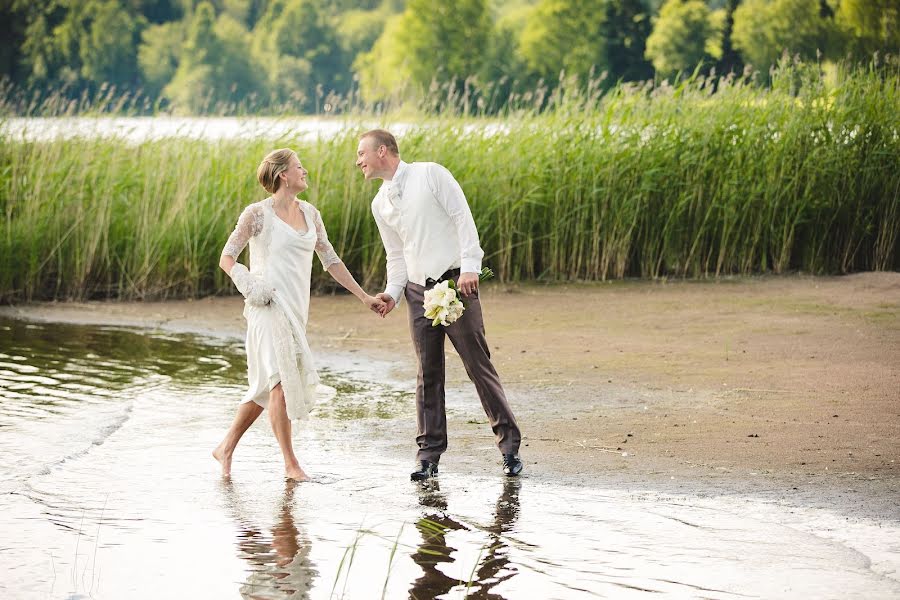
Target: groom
429 236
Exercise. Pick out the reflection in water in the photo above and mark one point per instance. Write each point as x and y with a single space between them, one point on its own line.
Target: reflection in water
66 389
493 565
280 566
50 369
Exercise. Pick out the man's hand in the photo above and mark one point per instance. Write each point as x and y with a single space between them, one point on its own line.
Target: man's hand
468 283
388 303
375 304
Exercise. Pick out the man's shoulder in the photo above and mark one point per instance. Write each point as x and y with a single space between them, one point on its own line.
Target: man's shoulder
426 166
432 172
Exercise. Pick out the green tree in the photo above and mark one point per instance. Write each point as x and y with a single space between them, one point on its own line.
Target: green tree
429 42
159 54
216 70
15 18
624 32
503 71
681 36
83 43
246 12
764 29
730 59
107 49
159 11
40 53
503 65
384 72
557 36
358 30
870 26
444 40
300 46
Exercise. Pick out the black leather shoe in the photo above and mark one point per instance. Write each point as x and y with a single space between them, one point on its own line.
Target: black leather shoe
426 470
512 465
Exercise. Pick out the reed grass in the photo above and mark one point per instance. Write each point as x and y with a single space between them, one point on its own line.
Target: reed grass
700 178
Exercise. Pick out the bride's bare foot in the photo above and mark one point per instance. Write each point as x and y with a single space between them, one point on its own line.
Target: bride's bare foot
296 473
224 460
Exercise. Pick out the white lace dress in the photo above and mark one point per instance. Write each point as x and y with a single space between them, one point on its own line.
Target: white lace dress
277 351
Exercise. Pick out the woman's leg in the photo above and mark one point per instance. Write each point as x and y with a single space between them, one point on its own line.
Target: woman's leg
246 414
281 426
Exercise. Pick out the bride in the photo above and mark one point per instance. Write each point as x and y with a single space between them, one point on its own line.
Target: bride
283 232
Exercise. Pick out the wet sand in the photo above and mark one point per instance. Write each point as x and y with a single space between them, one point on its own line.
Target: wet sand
781 388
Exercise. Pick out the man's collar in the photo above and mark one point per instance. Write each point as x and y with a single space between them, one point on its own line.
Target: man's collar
398 174
397 178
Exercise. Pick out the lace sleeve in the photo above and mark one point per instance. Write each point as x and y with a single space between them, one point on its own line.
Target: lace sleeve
249 224
324 249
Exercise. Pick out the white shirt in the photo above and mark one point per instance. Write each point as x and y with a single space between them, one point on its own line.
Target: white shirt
426 226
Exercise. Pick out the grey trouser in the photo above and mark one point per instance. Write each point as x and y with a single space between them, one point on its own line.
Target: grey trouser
467 336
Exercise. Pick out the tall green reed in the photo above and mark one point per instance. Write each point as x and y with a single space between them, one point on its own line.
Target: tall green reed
700 178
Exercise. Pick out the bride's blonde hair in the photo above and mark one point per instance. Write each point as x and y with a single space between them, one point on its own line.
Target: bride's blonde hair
274 164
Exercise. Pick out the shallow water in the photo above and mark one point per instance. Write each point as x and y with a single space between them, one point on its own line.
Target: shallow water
107 490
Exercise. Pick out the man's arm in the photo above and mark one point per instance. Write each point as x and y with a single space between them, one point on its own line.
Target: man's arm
396 264
450 196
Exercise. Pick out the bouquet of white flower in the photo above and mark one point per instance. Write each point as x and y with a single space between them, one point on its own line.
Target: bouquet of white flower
443 304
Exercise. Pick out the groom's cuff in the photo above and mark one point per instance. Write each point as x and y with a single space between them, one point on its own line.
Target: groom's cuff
395 291
468 265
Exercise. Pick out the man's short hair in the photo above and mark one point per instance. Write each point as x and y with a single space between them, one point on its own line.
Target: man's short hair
384 138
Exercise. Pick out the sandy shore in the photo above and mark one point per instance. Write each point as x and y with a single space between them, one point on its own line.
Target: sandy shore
784 388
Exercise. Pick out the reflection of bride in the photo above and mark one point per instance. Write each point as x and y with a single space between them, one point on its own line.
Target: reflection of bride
279 564
434 526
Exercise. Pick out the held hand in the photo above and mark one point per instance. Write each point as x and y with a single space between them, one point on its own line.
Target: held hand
388 303
468 283
376 305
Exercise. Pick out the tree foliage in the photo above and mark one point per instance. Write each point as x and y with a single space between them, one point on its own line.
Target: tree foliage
216 65
159 54
557 37
383 72
228 55
624 32
445 40
303 57
82 41
427 43
764 29
870 25
680 37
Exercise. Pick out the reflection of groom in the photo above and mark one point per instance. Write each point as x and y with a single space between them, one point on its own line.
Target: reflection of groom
436 524
429 236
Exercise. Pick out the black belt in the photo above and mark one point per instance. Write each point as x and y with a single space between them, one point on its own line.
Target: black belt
448 275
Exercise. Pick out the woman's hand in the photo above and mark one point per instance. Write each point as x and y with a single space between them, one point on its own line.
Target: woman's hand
375 305
255 290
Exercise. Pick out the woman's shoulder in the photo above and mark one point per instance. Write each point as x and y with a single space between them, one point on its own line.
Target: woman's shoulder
256 207
309 207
